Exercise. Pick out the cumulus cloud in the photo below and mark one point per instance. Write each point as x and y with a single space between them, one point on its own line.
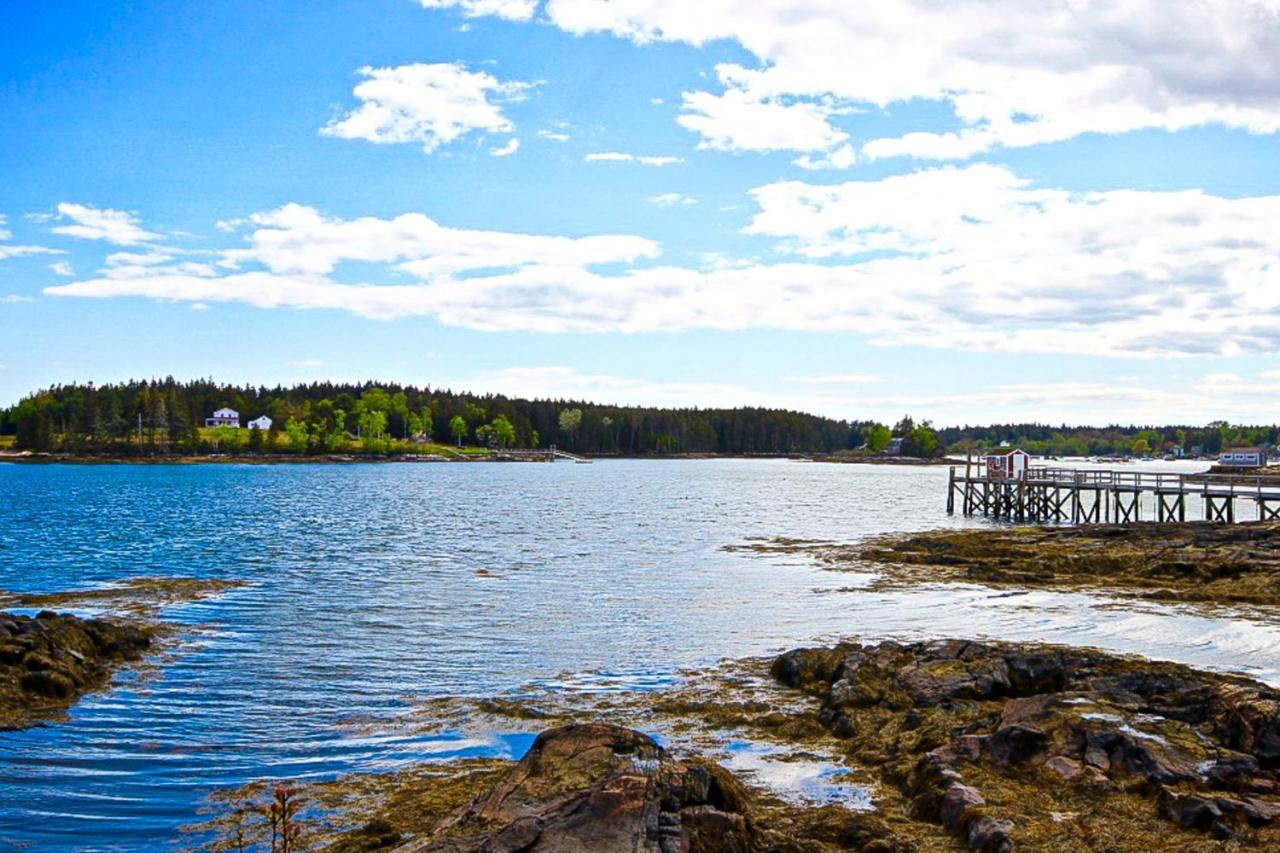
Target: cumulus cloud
299 239
1015 72
430 104
511 10
114 226
965 258
63 268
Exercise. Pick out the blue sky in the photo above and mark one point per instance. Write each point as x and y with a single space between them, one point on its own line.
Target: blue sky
1049 213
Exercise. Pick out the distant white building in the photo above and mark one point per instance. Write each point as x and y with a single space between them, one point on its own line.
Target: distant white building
895 446
261 422
1243 457
224 417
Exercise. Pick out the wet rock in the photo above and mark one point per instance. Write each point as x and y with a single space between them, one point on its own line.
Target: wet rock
48 661
596 787
956 802
1029 719
1016 744
991 835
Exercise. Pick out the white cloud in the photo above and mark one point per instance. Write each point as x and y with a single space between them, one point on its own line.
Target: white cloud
739 119
62 268
841 158
962 258
554 136
512 10
623 157
114 226
511 146
298 239
671 199
14 298
1015 72
19 251
431 104
305 362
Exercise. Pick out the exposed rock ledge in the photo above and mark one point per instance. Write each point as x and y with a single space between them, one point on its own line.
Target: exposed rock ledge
48 661
597 787
1059 747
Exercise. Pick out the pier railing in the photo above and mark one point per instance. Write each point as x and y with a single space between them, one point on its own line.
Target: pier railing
1082 496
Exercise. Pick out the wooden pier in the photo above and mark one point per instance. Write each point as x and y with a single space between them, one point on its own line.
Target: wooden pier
1068 495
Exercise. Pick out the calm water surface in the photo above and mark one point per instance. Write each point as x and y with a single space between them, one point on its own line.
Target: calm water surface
364 599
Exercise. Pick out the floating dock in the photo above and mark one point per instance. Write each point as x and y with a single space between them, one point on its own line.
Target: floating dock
1069 495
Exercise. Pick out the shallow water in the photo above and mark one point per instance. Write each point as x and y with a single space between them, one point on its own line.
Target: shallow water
364 599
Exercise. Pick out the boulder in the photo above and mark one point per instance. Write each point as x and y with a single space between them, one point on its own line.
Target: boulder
602 788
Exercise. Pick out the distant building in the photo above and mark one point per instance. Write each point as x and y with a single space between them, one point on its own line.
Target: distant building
262 422
1243 457
224 417
895 446
1008 466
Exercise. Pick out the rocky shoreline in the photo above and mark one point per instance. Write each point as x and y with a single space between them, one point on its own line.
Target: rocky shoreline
48 661
966 745
1190 562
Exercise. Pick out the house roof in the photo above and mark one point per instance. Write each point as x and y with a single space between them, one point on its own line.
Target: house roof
226 411
1243 450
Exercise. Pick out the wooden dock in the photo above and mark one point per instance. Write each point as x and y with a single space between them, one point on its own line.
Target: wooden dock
1068 495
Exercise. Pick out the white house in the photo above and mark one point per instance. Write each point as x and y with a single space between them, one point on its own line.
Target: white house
1243 457
224 417
1008 466
261 422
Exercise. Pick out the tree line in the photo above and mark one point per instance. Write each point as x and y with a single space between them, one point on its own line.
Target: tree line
167 417
1133 440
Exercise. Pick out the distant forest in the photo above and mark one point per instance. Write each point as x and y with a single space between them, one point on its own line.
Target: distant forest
167 417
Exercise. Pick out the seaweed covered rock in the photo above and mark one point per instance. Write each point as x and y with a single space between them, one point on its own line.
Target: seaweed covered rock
597 787
48 661
1002 743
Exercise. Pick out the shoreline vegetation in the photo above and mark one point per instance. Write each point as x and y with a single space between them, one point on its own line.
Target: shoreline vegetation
168 418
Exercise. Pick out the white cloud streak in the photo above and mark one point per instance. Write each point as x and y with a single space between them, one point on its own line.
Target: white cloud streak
113 226
511 10
624 157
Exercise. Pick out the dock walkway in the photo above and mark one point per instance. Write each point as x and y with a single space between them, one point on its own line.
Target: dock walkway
1062 495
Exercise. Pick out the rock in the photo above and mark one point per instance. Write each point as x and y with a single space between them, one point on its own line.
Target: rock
50 684
1190 811
958 800
1016 744
991 835
47 662
1111 725
596 787
1067 768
